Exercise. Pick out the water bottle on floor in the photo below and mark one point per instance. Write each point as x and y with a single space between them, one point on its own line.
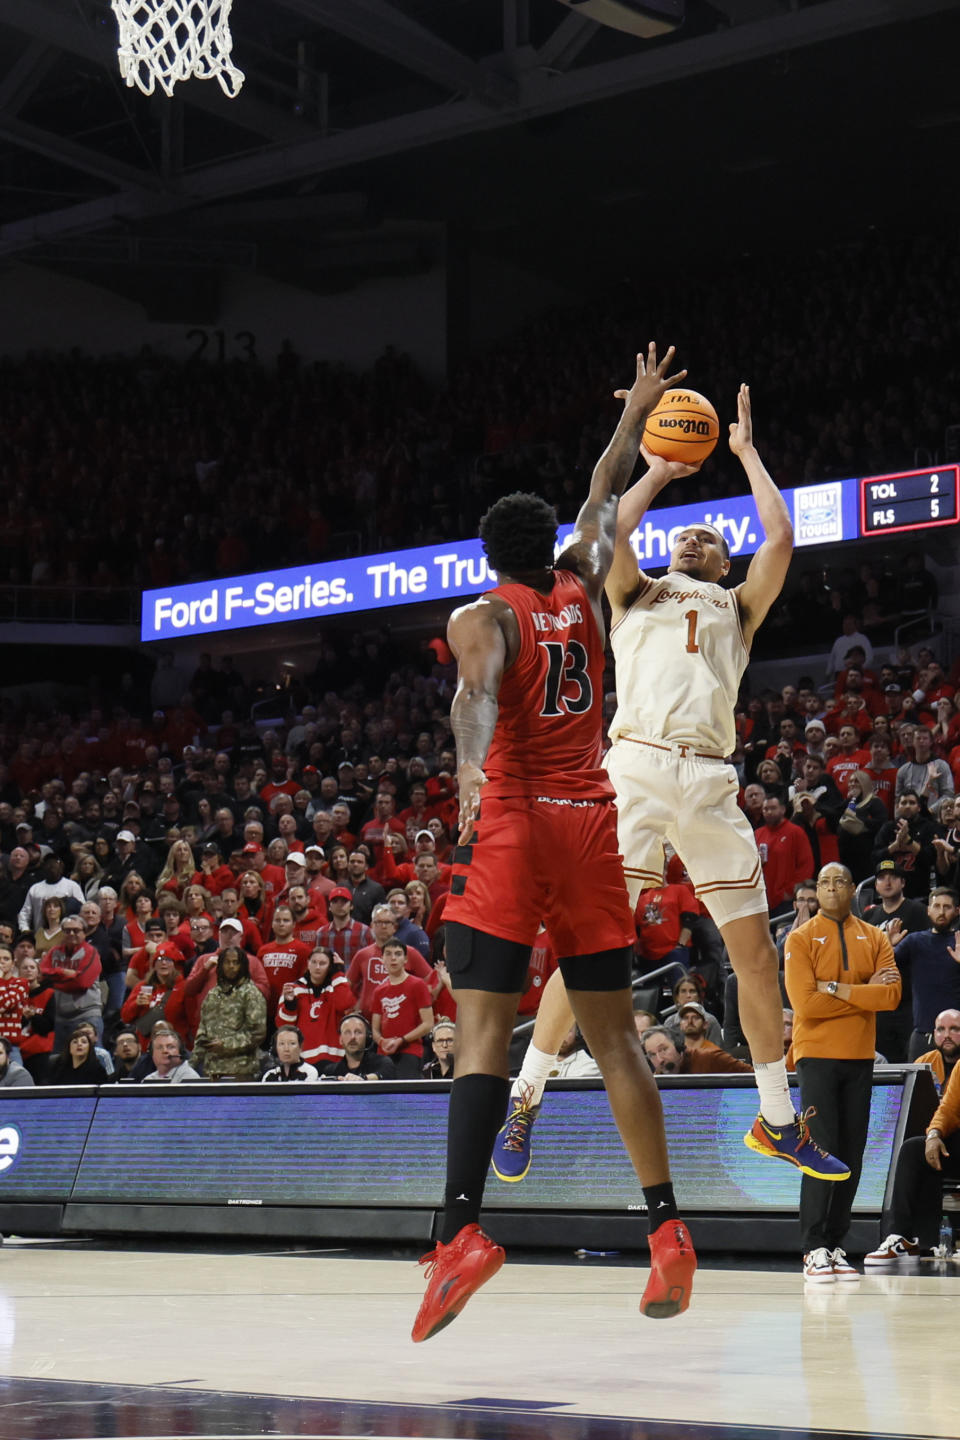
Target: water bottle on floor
945 1247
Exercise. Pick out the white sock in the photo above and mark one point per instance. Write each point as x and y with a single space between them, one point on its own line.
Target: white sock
534 1073
776 1105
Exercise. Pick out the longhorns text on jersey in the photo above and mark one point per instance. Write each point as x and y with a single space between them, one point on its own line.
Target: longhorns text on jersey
680 657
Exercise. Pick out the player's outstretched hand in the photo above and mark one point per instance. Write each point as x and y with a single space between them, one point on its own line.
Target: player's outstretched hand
472 780
652 379
670 469
741 434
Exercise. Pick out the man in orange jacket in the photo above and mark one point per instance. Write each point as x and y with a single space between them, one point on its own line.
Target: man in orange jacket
840 972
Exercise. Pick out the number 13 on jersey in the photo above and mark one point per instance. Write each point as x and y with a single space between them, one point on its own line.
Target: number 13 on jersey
566 665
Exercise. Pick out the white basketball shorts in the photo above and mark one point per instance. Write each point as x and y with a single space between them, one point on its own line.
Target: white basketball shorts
691 802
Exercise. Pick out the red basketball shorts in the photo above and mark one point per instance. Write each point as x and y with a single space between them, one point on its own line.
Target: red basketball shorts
555 861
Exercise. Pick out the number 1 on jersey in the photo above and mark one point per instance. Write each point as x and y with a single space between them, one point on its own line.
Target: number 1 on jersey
691 617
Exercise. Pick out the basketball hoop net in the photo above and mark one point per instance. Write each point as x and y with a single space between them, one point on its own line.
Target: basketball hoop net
163 41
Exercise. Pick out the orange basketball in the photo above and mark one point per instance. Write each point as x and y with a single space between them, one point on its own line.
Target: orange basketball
684 427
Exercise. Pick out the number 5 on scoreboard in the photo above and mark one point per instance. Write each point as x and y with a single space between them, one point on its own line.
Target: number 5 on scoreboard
691 617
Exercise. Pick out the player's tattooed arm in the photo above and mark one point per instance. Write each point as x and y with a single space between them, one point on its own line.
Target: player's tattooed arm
478 637
769 566
591 548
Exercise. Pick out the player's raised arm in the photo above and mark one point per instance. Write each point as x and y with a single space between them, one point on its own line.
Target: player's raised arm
591 548
626 577
479 643
768 568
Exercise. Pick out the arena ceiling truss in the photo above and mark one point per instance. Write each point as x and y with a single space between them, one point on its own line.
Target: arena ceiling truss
333 88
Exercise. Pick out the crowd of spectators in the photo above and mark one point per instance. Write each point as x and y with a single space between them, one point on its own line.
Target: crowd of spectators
273 899
115 470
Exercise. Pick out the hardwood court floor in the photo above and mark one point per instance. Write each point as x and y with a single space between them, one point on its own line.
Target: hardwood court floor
100 1341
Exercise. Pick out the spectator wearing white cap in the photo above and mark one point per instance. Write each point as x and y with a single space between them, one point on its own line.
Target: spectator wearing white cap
126 860
316 881
814 736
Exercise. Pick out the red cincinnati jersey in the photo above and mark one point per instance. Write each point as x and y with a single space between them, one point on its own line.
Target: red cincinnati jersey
549 729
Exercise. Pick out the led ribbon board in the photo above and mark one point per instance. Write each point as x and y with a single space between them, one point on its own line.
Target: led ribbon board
823 514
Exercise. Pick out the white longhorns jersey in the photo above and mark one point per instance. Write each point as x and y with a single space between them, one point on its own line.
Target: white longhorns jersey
680 657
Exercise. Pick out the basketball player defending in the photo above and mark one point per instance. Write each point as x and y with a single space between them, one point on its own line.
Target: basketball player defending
542 841
681 645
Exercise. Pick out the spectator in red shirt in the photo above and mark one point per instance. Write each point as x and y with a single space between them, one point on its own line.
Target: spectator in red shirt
342 934
789 743
254 904
369 970
785 853
213 874
543 962
416 815
284 958
230 903
401 1013
315 1004
178 870
882 771
36 1035
274 880
384 822
148 1000
14 992
154 938
850 757
434 876
281 780
664 916
309 914
316 880
444 849
294 869
342 832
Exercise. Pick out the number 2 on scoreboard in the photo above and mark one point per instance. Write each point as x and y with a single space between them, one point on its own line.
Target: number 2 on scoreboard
691 617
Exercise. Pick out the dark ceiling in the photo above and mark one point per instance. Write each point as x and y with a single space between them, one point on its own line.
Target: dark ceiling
366 129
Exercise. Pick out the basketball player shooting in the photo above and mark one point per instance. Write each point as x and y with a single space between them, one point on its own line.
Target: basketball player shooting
681 645
538 839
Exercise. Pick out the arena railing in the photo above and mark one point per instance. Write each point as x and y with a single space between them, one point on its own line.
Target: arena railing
70 604
642 982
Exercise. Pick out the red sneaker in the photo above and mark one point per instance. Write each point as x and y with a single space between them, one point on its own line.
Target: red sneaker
672 1263
454 1272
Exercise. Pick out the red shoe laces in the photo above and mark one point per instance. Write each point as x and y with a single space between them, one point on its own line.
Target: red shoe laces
803 1130
517 1127
430 1261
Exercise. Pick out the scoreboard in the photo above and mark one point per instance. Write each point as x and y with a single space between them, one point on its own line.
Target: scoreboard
909 500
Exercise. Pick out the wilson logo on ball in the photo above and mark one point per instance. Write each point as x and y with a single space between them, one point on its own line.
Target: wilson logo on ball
684 427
